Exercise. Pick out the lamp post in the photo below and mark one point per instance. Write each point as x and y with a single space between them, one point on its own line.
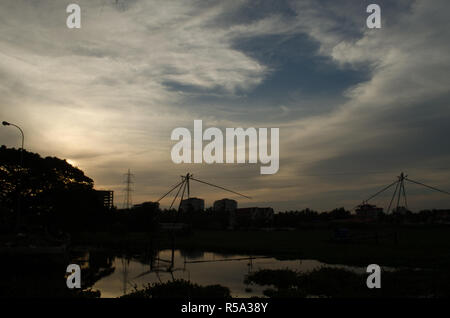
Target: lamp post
5 123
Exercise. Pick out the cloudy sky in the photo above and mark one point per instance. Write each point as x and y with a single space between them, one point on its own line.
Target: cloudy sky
355 106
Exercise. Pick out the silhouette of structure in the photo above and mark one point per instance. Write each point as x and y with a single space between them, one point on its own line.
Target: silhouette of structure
147 205
192 205
5 123
19 185
160 265
106 197
185 185
128 201
368 211
399 192
125 271
226 208
225 205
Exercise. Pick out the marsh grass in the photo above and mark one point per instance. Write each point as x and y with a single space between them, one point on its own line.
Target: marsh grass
342 283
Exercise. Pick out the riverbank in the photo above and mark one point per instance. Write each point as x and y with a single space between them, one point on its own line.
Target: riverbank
424 247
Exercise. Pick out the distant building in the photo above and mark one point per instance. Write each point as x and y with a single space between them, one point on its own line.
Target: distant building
225 205
254 216
226 210
192 205
147 205
106 197
368 211
143 217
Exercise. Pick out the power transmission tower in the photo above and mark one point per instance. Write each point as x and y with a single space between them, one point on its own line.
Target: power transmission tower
128 202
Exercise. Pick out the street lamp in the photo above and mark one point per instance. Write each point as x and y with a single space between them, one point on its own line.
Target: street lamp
5 123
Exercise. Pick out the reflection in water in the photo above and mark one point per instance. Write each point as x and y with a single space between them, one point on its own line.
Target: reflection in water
202 268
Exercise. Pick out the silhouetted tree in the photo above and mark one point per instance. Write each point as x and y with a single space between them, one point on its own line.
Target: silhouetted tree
340 213
51 191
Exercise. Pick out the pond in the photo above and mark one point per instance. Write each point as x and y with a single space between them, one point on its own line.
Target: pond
203 268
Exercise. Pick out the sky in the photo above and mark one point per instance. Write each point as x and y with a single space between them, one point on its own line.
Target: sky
355 106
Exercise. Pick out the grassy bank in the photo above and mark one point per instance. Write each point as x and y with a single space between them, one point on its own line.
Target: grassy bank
341 283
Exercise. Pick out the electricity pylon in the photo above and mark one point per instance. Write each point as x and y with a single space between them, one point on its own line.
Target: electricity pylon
128 201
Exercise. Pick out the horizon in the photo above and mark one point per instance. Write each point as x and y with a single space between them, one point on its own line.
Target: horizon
249 205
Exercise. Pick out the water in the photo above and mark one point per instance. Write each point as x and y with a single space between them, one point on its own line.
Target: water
203 268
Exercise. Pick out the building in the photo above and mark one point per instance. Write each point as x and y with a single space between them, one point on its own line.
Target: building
106 198
368 211
225 210
192 205
143 217
254 217
147 205
225 205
